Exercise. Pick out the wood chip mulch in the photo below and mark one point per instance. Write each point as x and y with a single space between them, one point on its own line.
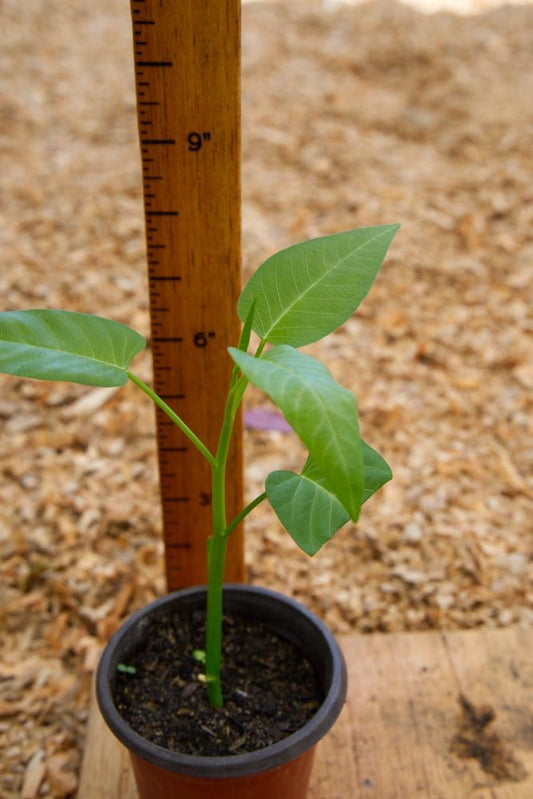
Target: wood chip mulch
352 116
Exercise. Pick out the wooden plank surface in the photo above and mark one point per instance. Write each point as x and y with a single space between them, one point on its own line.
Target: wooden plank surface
437 715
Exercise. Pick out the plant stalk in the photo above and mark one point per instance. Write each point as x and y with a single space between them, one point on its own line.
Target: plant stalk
178 421
217 556
217 544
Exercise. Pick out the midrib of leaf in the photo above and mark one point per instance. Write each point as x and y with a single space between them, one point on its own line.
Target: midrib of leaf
311 388
316 495
90 358
57 348
287 308
323 411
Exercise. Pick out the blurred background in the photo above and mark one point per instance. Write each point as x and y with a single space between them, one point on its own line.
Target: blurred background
353 114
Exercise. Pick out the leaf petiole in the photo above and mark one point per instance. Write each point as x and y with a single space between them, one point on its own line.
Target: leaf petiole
242 515
178 421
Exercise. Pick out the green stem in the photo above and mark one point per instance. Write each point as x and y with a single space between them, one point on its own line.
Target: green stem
216 559
244 512
260 348
217 544
217 551
215 581
175 418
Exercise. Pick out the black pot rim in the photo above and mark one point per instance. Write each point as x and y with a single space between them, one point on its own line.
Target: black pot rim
241 764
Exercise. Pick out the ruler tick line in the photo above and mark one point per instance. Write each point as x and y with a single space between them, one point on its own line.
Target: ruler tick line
157 141
155 63
174 449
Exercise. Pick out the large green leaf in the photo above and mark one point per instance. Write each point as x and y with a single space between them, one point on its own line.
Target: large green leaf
310 513
67 346
306 291
321 412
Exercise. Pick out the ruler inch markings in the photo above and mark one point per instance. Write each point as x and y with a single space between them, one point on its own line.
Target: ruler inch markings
157 141
164 64
187 75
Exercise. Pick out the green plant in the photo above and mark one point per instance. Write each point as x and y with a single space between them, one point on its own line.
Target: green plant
296 297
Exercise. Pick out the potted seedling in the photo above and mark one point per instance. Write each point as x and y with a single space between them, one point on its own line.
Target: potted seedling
190 683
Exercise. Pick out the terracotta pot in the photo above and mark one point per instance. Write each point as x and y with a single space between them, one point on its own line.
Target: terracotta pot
279 771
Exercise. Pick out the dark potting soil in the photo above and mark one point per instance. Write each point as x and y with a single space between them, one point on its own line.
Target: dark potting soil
270 689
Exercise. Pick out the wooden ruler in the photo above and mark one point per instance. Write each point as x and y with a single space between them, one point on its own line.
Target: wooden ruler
187 71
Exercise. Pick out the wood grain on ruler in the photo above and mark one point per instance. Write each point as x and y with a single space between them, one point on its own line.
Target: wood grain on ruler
187 71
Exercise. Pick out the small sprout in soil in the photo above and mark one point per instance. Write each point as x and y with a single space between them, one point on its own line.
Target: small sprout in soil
205 678
199 655
124 669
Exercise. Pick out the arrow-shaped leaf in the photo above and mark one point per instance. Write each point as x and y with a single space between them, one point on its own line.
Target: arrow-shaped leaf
310 513
321 412
308 290
67 346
